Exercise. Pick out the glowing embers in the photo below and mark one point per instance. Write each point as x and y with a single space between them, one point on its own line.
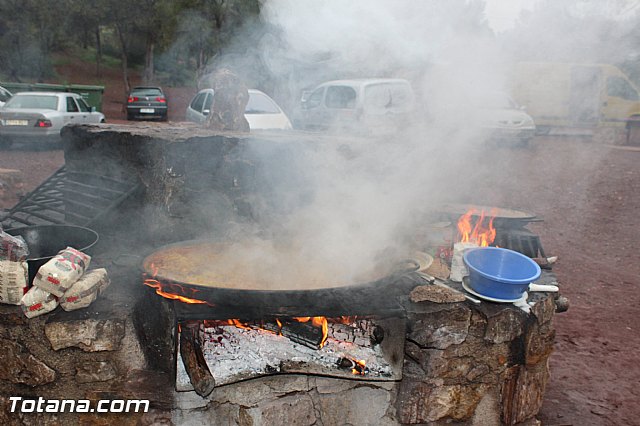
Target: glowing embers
342 347
476 226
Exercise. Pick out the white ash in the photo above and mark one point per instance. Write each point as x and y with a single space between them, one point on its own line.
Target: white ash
233 354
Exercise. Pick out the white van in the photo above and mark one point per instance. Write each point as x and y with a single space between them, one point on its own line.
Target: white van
368 104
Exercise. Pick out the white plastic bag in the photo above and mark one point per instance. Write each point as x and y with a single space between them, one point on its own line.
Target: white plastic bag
59 273
37 302
14 281
458 268
85 291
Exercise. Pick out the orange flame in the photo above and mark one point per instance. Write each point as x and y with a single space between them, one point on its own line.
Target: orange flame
159 290
320 322
476 233
361 367
238 324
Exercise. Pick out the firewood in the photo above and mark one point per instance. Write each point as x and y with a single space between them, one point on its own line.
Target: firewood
194 362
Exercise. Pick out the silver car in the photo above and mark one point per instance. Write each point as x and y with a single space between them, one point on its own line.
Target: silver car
5 95
503 121
261 111
39 116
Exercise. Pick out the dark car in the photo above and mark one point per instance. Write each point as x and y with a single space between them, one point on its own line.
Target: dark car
147 103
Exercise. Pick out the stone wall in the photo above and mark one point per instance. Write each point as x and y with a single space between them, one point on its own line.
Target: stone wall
481 364
467 364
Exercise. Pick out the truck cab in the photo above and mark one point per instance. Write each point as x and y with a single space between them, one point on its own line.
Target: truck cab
567 95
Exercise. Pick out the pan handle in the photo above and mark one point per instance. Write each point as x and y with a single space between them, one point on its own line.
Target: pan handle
541 287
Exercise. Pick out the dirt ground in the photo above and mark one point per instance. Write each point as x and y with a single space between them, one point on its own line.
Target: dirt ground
588 196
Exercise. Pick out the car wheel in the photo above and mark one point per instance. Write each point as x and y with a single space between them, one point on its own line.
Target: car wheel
129 117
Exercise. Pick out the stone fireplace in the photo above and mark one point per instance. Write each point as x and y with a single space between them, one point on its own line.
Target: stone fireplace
453 360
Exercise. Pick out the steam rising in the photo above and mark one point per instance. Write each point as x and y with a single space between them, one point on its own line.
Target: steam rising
367 198
368 194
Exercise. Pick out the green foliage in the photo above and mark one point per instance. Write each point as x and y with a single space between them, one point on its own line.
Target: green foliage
176 37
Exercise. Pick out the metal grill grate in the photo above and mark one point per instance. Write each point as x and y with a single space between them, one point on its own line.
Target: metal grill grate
72 198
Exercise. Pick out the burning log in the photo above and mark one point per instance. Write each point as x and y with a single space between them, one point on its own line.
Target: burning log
357 367
193 360
311 334
304 333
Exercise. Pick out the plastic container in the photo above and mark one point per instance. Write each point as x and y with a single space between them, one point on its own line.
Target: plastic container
500 273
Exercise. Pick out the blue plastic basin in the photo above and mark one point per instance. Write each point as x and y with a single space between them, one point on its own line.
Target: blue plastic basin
500 273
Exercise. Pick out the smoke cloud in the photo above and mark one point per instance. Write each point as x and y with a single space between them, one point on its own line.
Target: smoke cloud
367 194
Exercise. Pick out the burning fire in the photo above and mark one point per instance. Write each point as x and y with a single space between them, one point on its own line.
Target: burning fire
477 233
360 367
157 285
320 322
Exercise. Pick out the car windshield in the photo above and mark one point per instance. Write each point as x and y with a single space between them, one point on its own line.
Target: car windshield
260 104
4 95
146 91
20 101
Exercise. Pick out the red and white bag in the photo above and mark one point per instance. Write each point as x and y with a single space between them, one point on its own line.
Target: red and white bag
59 273
12 248
37 302
14 281
85 291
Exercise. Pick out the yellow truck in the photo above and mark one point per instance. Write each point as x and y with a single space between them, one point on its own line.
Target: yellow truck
587 98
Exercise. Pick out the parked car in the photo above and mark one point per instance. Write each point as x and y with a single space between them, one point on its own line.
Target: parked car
39 116
5 95
261 111
147 103
367 104
503 120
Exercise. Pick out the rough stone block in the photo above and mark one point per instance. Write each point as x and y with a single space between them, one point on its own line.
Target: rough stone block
95 371
90 335
505 326
357 406
450 369
330 385
252 392
423 403
478 324
11 316
213 415
523 391
435 294
544 310
539 343
294 410
488 409
442 329
17 365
